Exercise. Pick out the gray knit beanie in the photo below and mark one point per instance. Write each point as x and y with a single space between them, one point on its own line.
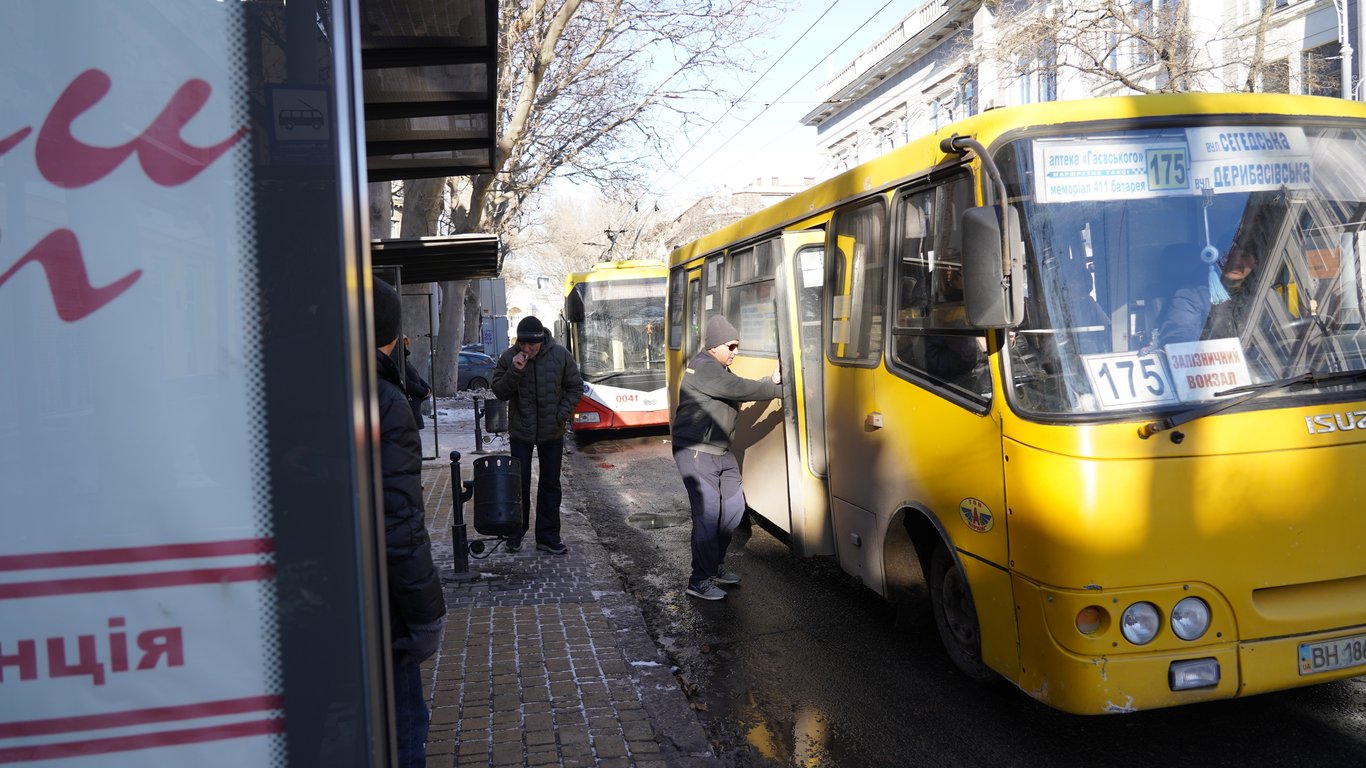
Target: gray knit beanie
719 331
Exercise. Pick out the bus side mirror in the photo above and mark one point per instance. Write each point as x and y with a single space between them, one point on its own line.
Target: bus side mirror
573 305
993 282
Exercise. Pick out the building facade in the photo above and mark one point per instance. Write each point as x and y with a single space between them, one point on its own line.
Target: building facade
949 59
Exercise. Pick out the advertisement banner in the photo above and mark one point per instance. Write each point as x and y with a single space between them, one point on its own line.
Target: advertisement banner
137 566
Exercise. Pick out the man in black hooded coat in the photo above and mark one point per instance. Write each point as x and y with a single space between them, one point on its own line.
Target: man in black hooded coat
417 608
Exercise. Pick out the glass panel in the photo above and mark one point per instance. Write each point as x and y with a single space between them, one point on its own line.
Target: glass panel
391 23
858 287
1167 266
434 83
677 280
810 274
932 334
622 333
432 128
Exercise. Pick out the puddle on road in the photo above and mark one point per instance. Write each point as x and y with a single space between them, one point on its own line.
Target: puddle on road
647 521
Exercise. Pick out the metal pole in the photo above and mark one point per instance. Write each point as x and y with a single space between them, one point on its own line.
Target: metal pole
1345 46
478 431
460 561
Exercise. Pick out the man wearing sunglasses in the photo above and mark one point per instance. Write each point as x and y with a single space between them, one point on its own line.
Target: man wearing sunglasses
709 399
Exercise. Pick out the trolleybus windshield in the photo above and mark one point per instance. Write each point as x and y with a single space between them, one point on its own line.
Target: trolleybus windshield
622 333
1166 267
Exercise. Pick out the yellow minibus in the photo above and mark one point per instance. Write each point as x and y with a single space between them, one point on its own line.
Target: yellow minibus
1089 376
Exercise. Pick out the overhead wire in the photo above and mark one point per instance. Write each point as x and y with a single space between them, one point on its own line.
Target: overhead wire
723 145
757 80
737 100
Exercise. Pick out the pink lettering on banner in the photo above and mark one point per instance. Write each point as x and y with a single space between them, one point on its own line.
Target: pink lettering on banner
167 159
25 657
67 162
59 254
164 646
58 665
8 142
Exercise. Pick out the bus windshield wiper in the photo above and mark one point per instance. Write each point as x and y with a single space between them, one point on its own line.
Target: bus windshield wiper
1247 392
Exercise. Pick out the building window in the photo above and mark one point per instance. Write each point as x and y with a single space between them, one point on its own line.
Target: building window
1276 77
967 91
1321 70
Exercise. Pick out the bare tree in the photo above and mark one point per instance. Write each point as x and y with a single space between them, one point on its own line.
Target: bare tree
1141 47
588 89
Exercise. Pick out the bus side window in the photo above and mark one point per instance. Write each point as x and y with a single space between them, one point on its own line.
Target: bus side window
711 293
857 284
677 280
749 299
931 331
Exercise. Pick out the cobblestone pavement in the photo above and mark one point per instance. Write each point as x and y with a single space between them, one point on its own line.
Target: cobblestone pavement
546 660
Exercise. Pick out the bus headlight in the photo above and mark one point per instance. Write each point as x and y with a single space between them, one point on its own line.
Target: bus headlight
1140 623
586 417
1190 618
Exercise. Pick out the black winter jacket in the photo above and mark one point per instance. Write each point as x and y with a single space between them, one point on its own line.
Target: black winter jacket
541 397
415 596
709 398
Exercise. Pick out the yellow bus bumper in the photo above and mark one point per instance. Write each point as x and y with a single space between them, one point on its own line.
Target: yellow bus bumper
1115 676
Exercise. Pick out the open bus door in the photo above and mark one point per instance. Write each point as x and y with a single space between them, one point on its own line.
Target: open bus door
801 275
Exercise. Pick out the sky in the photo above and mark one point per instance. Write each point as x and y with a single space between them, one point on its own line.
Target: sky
762 136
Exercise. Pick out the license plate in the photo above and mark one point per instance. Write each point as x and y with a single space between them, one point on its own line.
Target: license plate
1328 655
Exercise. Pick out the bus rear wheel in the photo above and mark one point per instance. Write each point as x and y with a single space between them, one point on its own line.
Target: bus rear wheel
955 616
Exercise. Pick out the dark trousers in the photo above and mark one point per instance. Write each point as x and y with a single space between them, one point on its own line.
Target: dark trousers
410 715
547 490
717 502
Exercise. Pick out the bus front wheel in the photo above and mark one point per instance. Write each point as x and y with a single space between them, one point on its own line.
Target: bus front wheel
955 616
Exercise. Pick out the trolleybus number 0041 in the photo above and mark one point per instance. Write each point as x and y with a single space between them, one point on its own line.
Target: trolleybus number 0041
1328 655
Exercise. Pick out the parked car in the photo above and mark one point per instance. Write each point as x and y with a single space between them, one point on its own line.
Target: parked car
476 370
472 348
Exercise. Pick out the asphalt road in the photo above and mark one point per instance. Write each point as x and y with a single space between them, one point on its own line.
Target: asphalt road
802 667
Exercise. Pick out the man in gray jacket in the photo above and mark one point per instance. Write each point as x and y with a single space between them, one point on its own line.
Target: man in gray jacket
709 399
541 383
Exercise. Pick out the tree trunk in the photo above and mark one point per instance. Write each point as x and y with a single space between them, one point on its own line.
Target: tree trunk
422 201
472 315
446 373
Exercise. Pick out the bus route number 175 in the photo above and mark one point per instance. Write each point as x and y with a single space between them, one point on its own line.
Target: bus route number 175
1127 379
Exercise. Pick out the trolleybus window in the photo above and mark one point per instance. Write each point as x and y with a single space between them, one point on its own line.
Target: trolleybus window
677 281
749 299
857 287
711 292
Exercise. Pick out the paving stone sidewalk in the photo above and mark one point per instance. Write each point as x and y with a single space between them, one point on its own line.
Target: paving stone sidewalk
546 660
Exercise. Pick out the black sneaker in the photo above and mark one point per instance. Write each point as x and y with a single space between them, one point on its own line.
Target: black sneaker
557 548
513 544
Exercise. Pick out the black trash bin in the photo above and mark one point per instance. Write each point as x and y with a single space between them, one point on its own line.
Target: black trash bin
498 496
495 416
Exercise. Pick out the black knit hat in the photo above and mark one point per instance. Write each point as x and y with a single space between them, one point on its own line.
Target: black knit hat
388 312
719 331
530 330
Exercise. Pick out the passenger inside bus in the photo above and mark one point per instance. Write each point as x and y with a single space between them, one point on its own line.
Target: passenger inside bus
1203 311
959 360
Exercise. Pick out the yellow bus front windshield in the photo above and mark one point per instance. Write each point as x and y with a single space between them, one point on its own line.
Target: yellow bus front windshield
1175 267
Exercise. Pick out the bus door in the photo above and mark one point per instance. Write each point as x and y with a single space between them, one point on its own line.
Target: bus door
855 289
801 276
759 444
